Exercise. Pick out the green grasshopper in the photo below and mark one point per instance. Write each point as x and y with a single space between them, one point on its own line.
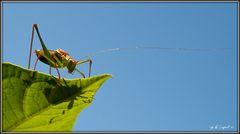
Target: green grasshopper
55 58
61 59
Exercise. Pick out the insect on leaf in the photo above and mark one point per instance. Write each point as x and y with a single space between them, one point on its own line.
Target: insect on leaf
33 101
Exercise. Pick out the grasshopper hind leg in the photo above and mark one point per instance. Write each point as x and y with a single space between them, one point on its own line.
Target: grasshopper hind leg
35 64
50 70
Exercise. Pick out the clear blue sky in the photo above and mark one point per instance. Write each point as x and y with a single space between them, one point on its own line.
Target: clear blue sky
152 90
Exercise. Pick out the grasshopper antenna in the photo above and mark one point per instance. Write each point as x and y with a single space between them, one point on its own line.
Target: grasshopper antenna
153 48
183 49
104 51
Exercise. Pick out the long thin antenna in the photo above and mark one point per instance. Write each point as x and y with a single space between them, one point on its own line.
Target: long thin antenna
153 48
185 49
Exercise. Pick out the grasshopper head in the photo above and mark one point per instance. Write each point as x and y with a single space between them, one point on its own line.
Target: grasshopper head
71 66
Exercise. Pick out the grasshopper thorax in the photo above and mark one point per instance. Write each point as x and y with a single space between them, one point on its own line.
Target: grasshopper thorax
71 63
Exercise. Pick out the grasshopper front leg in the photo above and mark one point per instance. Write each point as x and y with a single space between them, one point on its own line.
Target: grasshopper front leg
90 65
83 75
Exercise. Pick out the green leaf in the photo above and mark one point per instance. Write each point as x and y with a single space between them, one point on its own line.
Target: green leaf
34 101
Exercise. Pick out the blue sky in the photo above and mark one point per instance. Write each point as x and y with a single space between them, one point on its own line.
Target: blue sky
152 89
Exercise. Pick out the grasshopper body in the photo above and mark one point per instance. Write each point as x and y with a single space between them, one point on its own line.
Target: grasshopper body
55 58
61 59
